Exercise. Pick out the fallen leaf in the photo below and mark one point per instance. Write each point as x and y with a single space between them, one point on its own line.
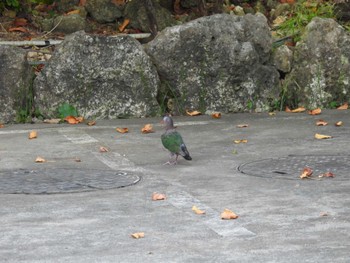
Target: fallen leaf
148 128
193 113
20 22
321 123
52 121
242 125
240 141
321 136
345 106
279 20
82 2
339 123
103 149
2 125
73 120
119 2
327 174
73 12
288 109
306 173
228 214
197 210
76 159
124 25
323 214
158 196
91 123
138 235
122 130
18 29
33 135
216 115
298 110
272 113
315 111
40 160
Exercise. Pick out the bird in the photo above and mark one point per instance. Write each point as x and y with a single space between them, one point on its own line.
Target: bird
173 142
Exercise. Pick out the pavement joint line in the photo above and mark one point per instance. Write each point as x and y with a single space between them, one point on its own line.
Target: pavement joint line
225 228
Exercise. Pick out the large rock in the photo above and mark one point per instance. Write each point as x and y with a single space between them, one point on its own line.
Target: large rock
220 62
103 77
103 11
15 84
321 72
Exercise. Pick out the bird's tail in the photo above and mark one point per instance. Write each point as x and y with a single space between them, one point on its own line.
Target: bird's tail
184 153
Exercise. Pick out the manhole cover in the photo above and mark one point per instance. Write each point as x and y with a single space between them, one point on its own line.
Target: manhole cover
50 181
290 167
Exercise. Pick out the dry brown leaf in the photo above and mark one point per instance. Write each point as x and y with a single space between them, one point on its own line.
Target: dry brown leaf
298 110
148 128
119 2
321 136
122 130
242 125
323 214
2 125
193 113
124 25
288 109
345 106
216 115
73 120
306 173
18 29
315 111
240 141
73 12
40 160
20 22
158 196
138 235
339 123
327 174
197 210
52 121
272 113
82 2
103 149
33 135
76 159
321 123
91 123
228 214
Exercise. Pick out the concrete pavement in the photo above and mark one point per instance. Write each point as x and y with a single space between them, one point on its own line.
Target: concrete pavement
281 217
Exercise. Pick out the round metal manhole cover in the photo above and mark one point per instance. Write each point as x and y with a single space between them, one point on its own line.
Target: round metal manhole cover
60 180
290 167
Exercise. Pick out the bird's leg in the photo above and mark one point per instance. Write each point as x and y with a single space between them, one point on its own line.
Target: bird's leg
170 162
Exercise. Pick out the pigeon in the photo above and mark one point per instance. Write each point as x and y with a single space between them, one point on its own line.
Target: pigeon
173 142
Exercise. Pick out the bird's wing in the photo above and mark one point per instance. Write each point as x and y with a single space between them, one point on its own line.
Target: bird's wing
172 141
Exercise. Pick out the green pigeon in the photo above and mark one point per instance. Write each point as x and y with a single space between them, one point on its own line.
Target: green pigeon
173 142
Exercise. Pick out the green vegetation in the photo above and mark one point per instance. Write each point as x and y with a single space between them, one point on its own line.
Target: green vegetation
22 4
67 110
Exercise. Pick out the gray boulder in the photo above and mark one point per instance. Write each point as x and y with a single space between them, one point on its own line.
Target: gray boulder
219 62
15 84
70 23
283 58
321 72
103 11
103 77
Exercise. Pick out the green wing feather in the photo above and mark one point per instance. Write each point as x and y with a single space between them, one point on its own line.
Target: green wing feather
172 141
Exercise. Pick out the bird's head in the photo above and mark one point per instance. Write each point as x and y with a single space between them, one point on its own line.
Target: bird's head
168 122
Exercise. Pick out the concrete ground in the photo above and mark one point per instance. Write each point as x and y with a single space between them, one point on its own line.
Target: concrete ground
282 218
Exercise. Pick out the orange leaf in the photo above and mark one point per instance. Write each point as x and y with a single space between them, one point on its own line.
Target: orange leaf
82 2
228 214
193 113
138 235
298 110
20 22
321 136
240 141
216 115
242 125
119 2
339 123
73 12
327 174
345 106
158 196
288 109
103 149
321 123
2 125
40 160
91 123
147 128
315 111
122 130
71 120
306 173
20 29
124 25
197 210
33 135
